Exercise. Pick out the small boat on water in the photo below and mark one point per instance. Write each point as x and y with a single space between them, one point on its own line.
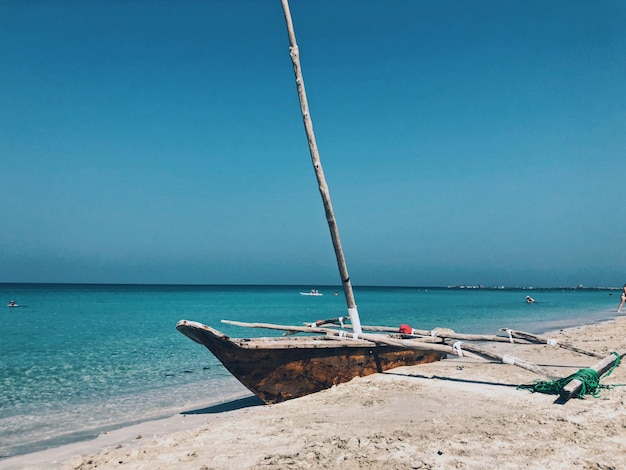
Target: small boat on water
12 304
313 292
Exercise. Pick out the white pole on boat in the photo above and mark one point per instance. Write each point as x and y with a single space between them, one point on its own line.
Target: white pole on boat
319 173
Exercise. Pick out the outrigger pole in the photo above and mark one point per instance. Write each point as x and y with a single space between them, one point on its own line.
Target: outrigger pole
319 173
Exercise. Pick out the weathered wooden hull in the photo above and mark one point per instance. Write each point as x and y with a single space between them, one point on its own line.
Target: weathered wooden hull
278 369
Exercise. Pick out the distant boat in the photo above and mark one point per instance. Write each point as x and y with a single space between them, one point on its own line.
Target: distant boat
313 292
12 304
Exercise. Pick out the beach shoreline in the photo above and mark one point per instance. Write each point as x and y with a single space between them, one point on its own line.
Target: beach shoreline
460 413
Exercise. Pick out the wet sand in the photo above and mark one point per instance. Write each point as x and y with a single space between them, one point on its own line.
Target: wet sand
458 413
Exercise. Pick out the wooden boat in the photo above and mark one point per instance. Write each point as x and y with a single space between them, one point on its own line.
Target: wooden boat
281 368
285 367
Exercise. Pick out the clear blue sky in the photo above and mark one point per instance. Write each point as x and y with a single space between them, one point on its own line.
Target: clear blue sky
463 142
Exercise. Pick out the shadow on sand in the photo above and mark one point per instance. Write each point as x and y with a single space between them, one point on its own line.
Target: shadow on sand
238 404
451 379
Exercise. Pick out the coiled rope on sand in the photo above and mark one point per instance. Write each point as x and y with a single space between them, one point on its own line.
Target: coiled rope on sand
589 379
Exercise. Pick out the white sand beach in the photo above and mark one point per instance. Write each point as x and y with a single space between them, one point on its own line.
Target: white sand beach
458 413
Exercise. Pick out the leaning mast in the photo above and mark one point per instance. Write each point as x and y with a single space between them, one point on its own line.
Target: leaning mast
319 173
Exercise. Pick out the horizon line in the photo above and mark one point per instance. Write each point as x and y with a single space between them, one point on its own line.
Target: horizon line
333 286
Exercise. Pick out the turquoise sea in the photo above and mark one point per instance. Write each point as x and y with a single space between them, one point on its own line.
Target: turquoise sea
78 360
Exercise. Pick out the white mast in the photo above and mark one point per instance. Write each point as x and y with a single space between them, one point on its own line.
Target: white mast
319 173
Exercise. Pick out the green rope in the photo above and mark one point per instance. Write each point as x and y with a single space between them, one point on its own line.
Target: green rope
588 377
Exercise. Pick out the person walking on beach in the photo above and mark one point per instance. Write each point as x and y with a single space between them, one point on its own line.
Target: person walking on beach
619 309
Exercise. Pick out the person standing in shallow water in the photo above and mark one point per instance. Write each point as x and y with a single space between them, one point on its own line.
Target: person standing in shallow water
619 309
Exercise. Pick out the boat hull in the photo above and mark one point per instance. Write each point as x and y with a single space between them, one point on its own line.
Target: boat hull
279 369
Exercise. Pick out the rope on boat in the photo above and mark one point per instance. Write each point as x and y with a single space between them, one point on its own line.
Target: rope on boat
589 379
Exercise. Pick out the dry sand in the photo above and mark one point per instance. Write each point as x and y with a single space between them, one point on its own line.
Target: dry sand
458 413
